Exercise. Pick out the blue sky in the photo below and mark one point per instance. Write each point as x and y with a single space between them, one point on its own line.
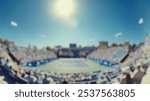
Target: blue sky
38 22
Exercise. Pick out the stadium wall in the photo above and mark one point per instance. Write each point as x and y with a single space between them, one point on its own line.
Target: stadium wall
38 62
103 62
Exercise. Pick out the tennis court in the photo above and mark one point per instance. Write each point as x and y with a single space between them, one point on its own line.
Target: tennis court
71 65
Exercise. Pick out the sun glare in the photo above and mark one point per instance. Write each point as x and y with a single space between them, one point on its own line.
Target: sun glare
64 9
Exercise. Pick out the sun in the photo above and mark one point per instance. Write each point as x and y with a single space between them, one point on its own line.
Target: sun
64 9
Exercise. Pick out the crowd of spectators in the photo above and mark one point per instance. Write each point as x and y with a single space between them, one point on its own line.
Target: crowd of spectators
131 71
29 54
35 76
112 54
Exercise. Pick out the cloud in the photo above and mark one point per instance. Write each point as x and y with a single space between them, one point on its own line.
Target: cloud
13 24
141 21
43 36
118 35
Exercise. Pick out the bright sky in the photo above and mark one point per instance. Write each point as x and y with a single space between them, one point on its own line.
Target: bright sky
85 22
